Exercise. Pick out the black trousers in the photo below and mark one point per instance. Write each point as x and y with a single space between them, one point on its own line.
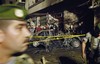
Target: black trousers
90 57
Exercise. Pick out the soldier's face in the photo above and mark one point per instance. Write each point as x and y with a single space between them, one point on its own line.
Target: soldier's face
16 35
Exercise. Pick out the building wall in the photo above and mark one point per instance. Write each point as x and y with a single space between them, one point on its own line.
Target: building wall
31 9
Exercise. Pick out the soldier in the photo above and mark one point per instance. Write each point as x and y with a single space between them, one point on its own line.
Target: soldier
86 42
14 35
91 42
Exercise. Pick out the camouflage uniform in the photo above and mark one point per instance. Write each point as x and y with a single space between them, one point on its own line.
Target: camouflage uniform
91 47
23 59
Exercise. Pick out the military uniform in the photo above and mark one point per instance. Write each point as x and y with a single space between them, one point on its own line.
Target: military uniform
12 12
22 59
91 47
15 12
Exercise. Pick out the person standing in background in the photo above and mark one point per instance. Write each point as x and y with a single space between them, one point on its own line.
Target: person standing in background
91 43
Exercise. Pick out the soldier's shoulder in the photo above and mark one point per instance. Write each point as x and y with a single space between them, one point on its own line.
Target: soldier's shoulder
24 59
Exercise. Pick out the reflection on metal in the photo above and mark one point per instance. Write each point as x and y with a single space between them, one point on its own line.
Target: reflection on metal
51 41
75 43
72 42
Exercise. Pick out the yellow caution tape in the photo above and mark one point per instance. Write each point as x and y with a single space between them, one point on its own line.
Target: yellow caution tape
51 38
61 36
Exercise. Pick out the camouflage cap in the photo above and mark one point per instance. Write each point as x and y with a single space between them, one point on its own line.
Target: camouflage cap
12 12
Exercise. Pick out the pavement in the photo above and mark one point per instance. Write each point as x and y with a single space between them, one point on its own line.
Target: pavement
56 56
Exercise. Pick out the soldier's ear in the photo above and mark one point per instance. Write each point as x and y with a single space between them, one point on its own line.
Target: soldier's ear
1 35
